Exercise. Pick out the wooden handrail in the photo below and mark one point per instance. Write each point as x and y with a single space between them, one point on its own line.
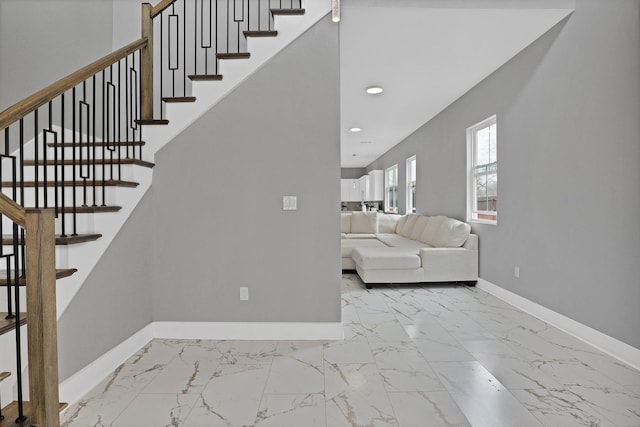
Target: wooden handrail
12 210
38 99
160 7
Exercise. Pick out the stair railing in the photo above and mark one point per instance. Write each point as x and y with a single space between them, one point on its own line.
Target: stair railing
76 133
36 226
188 37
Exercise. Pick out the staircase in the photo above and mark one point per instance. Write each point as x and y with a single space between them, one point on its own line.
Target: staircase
75 150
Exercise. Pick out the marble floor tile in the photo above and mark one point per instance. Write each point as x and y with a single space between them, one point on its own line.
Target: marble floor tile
292 410
427 409
156 410
481 397
403 368
355 396
443 349
297 368
601 362
103 404
251 352
414 356
232 397
347 352
183 376
558 407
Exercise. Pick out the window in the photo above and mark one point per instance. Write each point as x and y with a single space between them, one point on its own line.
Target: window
411 184
391 189
482 184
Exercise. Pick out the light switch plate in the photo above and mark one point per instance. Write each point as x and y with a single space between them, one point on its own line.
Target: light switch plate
289 203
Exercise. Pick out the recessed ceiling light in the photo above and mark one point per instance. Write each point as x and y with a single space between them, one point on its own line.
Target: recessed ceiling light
365 142
374 90
353 155
355 129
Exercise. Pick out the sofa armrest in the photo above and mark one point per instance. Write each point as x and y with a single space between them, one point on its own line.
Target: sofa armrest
449 264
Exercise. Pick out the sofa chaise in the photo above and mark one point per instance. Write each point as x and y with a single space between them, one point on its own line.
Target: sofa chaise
385 248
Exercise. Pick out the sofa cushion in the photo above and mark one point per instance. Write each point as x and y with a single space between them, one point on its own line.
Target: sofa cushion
451 233
387 222
360 236
345 222
385 258
397 241
419 227
347 246
407 228
364 222
429 234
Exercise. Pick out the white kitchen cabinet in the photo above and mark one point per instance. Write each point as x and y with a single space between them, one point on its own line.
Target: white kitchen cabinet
364 188
350 190
376 185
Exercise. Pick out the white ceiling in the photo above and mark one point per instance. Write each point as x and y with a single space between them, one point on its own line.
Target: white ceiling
425 54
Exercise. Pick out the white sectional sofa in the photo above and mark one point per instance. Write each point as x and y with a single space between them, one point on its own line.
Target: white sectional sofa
385 248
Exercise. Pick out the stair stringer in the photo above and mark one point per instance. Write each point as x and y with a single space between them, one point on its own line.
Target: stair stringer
180 117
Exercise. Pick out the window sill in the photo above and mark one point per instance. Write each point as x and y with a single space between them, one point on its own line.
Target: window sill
482 221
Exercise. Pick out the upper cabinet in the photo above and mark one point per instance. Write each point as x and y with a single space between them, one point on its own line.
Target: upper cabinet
350 190
376 185
364 188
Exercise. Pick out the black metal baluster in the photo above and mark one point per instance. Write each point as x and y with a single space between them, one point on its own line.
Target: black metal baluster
16 294
105 139
126 105
73 163
137 104
93 122
119 138
184 48
161 65
227 23
44 155
60 204
21 154
35 142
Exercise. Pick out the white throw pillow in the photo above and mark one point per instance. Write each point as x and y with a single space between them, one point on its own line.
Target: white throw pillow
408 225
429 234
452 233
345 222
387 222
364 222
401 222
419 227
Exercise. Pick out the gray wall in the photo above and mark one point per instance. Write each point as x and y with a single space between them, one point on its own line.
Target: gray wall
568 114
115 300
218 191
352 173
42 41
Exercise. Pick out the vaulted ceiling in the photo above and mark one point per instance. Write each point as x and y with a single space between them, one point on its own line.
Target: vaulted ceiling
425 54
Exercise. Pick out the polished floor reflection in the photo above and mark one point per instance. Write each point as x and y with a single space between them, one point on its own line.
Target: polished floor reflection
412 357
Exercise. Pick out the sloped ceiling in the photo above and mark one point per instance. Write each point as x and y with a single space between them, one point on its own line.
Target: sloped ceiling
425 54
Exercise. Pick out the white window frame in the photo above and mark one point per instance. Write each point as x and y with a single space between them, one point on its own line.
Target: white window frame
473 214
391 174
411 184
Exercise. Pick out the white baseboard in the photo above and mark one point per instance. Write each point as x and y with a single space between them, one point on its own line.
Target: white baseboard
249 330
609 345
79 384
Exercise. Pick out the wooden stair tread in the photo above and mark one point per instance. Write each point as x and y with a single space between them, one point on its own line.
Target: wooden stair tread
236 55
153 122
69 162
264 33
10 413
287 11
8 325
4 375
179 99
78 183
66 240
89 209
61 273
97 144
205 77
